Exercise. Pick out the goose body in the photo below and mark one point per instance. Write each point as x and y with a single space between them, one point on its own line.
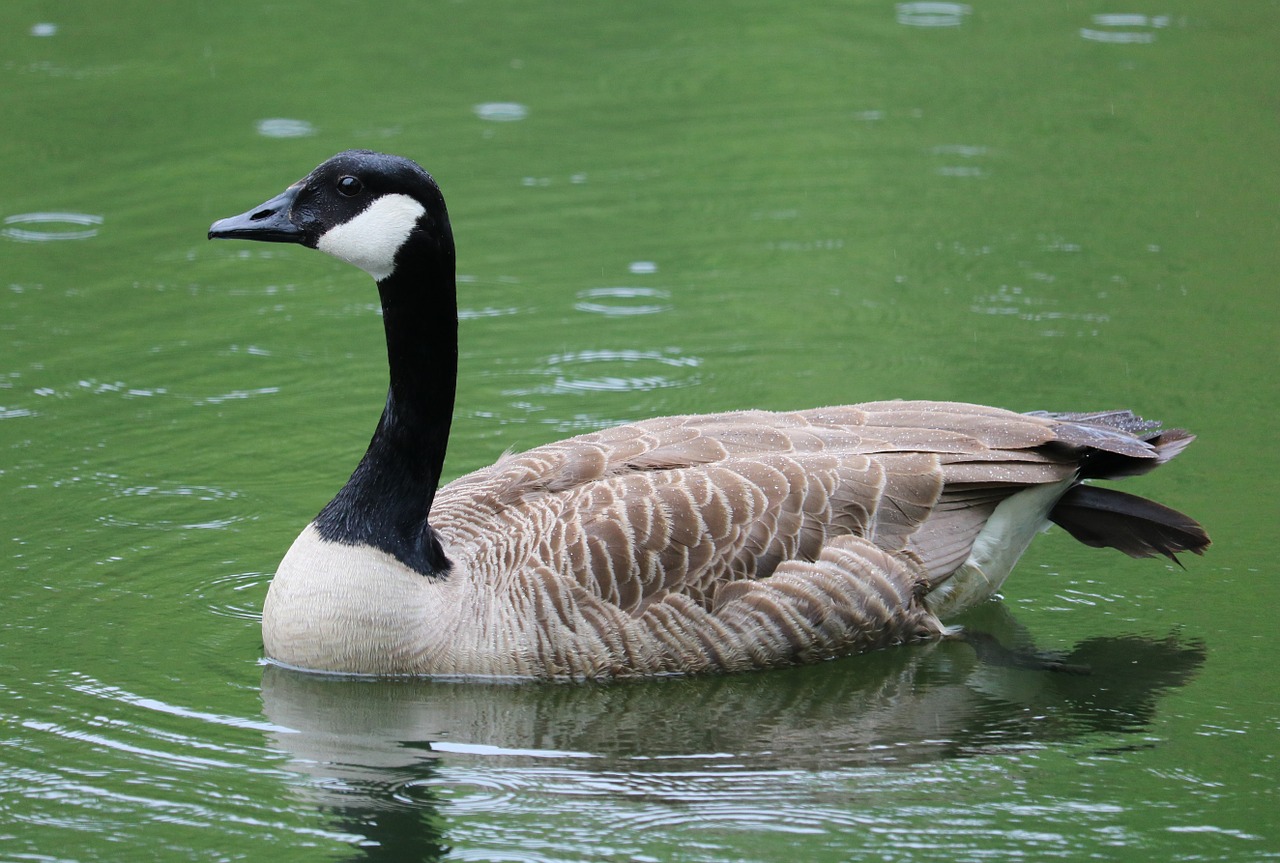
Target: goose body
685 544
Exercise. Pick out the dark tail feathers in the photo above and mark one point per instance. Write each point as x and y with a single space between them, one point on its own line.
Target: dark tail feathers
1116 444
1104 517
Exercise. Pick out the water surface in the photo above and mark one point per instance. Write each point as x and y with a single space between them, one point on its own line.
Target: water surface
659 208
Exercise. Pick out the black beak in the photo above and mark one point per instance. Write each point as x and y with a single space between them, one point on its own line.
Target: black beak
267 222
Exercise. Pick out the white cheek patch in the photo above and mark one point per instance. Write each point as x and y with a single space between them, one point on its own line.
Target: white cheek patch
371 239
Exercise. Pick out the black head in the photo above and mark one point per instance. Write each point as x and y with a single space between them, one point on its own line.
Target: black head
359 206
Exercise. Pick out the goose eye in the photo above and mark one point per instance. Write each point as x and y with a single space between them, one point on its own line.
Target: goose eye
350 186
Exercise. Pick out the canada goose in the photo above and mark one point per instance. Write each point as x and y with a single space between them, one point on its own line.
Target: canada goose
675 545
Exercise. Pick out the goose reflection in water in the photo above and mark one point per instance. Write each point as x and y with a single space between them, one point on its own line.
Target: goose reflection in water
372 751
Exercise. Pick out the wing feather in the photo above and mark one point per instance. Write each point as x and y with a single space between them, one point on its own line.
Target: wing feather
702 507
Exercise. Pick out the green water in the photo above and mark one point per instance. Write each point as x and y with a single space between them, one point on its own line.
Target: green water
691 207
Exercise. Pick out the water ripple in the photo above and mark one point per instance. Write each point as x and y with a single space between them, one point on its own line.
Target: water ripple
464 794
478 285
199 492
284 127
965 152
90 686
169 506
107 741
234 595
1124 28
490 750
98 387
84 73
1016 301
486 312
236 395
619 301
731 798
86 223
501 112
577 371
482 854
932 14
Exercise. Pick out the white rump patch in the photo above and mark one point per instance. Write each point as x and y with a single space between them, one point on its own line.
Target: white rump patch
1006 535
371 239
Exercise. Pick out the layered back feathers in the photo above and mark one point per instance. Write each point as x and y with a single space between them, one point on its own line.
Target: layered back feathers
737 540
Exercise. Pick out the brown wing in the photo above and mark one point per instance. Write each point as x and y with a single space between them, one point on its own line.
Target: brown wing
683 505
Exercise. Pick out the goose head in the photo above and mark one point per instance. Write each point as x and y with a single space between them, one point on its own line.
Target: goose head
361 207
385 215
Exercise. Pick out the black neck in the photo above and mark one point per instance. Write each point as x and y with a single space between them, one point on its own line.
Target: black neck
386 502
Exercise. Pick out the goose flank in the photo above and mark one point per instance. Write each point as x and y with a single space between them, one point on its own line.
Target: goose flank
683 544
